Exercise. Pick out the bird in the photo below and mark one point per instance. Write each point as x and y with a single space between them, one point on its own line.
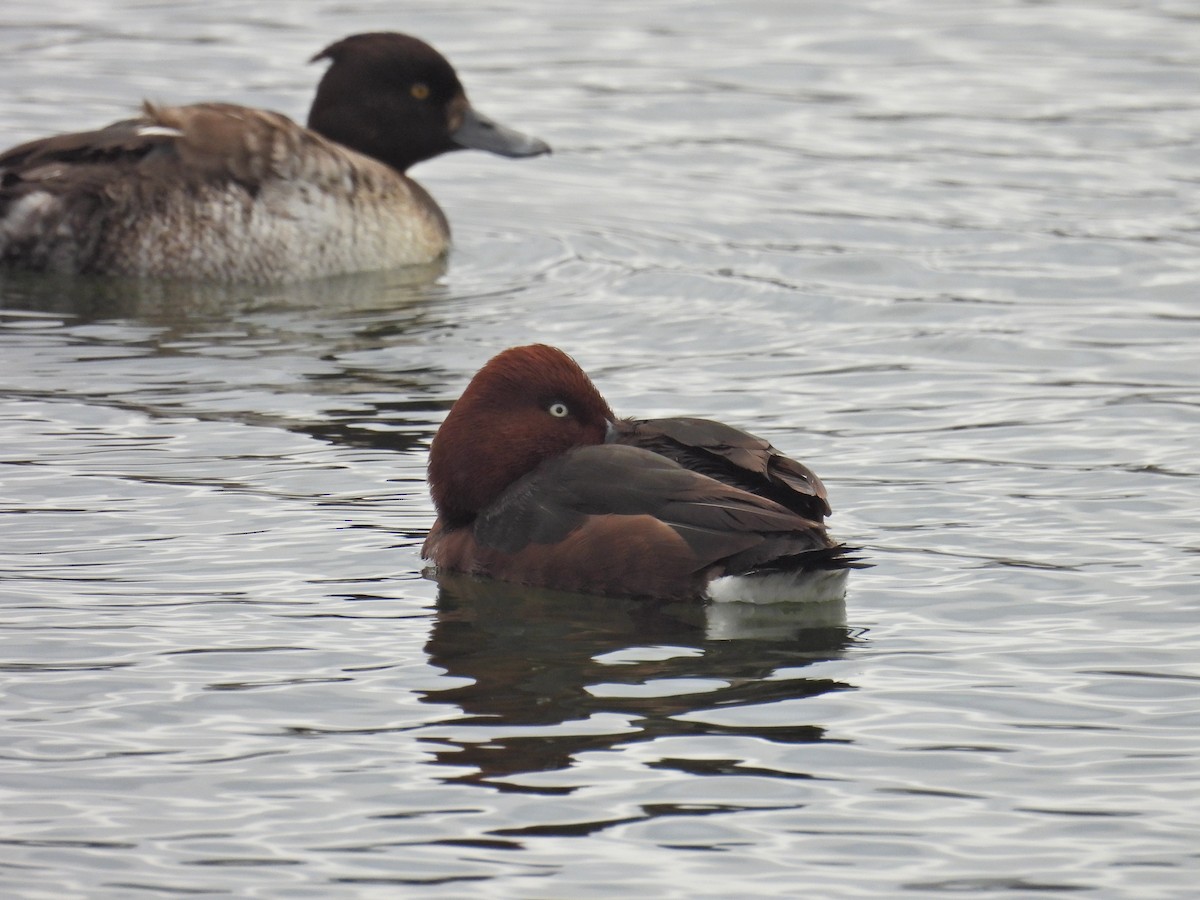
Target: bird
226 193
535 481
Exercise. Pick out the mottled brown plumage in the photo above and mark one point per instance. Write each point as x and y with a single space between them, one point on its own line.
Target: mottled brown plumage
214 191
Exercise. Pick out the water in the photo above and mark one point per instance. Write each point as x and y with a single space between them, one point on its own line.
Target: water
944 253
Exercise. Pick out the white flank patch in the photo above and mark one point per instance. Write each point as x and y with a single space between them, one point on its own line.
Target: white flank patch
820 586
27 214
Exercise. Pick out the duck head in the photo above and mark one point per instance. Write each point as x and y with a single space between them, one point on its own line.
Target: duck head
395 98
527 405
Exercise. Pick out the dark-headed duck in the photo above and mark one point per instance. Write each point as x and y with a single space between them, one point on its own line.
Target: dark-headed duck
228 193
535 481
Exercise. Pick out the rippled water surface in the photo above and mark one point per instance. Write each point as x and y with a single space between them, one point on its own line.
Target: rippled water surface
945 252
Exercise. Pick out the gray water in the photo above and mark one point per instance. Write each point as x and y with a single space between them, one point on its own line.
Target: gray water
945 252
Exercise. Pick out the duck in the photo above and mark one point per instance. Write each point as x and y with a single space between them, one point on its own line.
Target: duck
536 481
227 193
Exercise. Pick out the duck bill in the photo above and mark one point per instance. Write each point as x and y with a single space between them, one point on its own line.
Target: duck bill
478 132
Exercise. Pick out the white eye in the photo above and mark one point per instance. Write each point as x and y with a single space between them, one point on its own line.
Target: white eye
558 409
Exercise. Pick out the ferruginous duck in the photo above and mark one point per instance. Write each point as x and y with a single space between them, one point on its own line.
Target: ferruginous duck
536 482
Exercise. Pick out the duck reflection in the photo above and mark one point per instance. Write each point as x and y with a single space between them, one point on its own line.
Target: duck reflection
166 302
552 675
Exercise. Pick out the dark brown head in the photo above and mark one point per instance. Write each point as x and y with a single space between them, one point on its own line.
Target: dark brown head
527 405
395 98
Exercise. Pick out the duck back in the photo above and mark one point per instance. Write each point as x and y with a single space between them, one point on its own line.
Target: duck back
210 191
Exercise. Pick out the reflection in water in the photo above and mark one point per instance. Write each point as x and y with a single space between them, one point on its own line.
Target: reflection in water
271 330
546 668
164 302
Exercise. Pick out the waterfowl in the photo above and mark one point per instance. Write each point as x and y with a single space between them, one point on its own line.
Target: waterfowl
219 192
537 482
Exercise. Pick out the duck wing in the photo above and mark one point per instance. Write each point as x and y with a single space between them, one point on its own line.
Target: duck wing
623 520
731 456
195 143
125 139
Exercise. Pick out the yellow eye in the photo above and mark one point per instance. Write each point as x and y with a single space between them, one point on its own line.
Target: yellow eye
420 90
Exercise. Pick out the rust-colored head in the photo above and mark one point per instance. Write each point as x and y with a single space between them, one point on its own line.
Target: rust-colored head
527 405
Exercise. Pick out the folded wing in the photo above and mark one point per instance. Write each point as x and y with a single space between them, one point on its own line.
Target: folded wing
732 456
620 519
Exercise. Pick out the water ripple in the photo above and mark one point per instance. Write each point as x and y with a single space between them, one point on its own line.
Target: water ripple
945 254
